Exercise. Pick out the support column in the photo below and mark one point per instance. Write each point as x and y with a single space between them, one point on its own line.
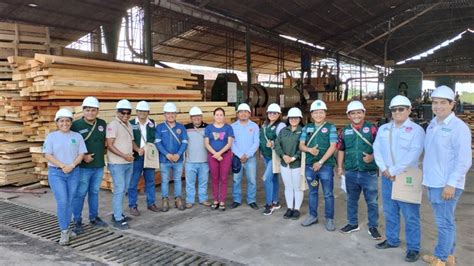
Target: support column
248 62
111 36
147 33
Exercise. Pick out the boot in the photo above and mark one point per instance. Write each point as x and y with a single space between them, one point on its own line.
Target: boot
451 261
165 205
179 204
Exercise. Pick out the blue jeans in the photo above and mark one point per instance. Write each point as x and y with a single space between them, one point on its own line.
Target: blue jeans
149 175
165 169
325 176
271 183
89 182
251 172
201 172
366 182
121 175
64 187
411 215
443 211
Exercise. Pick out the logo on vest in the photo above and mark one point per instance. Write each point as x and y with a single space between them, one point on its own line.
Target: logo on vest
150 124
365 130
324 130
349 132
178 131
100 128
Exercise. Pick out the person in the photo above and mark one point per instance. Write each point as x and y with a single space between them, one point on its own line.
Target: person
218 138
171 141
91 168
196 167
268 133
64 150
287 148
399 145
143 132
245 146
355 158
447 159
318 140
121 145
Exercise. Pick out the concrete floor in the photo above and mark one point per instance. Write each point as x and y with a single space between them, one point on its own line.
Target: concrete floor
245 235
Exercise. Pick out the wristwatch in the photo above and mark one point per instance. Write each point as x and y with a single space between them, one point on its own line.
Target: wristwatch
321 162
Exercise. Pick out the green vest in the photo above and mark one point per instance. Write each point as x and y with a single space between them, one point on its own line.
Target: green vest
323 142
150 133
355 147
270 132
95 143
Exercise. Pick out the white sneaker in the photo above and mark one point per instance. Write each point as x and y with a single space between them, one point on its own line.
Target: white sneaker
64 240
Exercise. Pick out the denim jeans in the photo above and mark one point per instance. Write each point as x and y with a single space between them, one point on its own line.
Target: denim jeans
443 211
199 171
271 182
250 168
89 184
165 169
325 176
411 216
64 187
366 182
149 175
121 175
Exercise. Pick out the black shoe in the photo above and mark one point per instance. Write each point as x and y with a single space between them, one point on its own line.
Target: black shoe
374 233
97 222
268 210
122 225
276 206
235 205
78 228
349 228
384 245
288 214
253 205
412 256
295 215
124 218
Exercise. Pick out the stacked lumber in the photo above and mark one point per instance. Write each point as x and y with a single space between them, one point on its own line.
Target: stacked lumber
108 111
107 183
468 118
22 40
16 166
337 112
50 77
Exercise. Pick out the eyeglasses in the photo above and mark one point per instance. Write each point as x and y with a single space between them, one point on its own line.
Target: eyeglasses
272 113
125 112
398 109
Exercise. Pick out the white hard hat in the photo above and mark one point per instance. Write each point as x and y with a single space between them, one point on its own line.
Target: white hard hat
295 112
90 102
443 92
355 105
143 106
169 108
318 105
123 104
274 108
243 107
195 111
63 113
400 100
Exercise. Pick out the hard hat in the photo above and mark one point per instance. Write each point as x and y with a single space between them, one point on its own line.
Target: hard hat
355 105
123 104
318 105
400 100
295 112
169 108
143 106
63 113
243 107
443 92
195 111
274 108
90 102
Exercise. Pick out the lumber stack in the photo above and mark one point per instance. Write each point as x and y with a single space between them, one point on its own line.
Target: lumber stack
108 184
50 77
336 113
468 118
16 166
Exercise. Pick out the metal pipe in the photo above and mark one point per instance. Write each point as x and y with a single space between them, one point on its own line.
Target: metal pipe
147 35
248 62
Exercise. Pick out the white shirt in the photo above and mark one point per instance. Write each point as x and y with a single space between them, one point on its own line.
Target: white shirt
448 153
407 146
142 131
